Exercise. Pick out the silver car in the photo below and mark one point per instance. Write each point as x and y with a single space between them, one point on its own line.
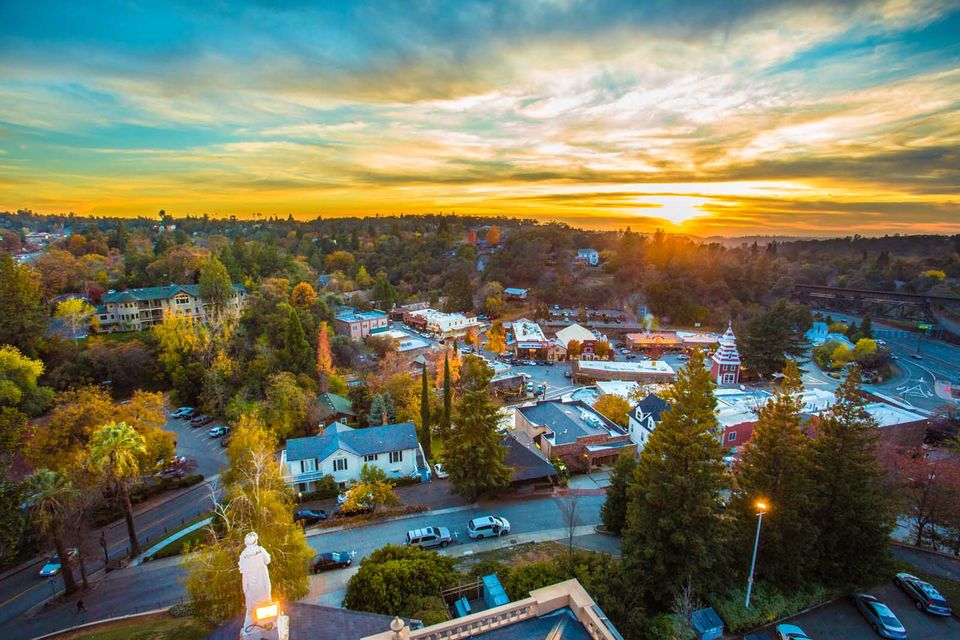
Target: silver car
881 618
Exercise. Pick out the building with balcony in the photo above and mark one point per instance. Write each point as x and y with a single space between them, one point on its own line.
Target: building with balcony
341 452
137 309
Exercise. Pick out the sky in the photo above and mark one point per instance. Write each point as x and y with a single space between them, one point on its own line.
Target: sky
799 118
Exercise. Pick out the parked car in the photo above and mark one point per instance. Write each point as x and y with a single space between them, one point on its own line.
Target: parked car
488 527
53 565
791 632
331 560
218 431
429 537
881 618
309 516
923 594
439 472
183 412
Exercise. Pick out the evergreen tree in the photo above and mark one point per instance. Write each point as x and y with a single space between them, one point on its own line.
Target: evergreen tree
425 435
614 509
773 469
849 498
772 336
673 516
853 332
447 397
296 356
25 322
473 451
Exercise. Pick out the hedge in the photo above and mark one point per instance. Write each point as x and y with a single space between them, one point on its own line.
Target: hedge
767 604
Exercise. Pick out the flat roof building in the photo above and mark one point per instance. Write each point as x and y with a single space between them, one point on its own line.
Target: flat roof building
645 371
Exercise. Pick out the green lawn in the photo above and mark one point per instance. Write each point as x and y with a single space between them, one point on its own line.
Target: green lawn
164 629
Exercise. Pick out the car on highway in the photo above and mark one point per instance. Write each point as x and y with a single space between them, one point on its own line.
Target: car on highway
924 595
218 431
429 537
488 527
53 565
791 632
331 560
880 617
183 412
439 472
309 516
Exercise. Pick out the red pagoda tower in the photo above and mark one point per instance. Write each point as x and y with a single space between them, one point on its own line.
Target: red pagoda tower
725 365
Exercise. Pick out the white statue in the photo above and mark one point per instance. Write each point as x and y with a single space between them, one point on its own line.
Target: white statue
256 579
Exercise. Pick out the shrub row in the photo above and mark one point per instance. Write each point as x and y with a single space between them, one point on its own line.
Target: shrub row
767 604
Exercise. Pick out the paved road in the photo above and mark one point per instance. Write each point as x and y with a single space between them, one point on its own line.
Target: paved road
25 589
158 584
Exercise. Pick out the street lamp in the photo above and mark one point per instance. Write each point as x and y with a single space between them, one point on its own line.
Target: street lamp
761 508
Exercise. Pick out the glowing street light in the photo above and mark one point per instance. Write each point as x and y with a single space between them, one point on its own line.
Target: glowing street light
761 509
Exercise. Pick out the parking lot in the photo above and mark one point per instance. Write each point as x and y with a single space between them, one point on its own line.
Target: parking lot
840 620
196 444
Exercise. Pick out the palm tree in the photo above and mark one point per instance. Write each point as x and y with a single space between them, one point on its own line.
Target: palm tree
51 495
114 452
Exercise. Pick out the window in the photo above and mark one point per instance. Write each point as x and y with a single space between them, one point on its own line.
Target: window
732 436
340 464
370 458
396 456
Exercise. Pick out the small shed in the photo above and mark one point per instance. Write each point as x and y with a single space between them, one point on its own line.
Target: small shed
707 624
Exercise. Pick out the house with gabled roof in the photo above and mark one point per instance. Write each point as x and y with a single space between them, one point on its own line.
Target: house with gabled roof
341 452
643 418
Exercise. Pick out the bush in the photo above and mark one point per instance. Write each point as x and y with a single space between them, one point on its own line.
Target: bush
396 580
767 604
521 580
326 488
404 481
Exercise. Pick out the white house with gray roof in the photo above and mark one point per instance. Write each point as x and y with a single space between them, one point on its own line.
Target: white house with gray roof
341 452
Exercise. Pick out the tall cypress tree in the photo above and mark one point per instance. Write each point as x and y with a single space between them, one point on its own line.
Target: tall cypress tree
773 469
447 397
673 517
850 500
425 415
297 355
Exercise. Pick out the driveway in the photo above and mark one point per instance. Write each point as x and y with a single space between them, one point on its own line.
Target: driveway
840 619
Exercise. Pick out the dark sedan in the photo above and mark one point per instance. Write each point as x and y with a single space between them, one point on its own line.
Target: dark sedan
332 560
881 618
309 516
923 594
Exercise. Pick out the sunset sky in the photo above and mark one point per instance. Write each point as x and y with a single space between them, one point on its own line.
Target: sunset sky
734 117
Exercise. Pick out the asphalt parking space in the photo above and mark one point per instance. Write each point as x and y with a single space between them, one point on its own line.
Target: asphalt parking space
196 444
840 620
